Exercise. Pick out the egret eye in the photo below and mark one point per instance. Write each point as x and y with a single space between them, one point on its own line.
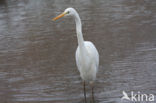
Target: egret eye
68 12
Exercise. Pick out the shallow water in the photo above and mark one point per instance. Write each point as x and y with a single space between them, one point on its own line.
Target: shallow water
37 56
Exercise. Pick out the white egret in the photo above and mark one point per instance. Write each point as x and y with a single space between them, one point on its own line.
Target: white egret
87 57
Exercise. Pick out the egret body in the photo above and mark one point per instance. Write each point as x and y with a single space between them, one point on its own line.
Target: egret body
87 56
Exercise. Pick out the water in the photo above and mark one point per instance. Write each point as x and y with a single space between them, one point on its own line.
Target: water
37 55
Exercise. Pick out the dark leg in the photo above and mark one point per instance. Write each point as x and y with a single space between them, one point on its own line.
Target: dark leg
92 92
84 89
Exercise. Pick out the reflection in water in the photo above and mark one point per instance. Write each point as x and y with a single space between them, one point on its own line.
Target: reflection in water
37 55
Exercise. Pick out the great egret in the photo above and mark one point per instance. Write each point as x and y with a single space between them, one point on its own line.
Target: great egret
87 57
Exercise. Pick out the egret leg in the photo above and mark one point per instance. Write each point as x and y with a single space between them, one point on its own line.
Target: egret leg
84 89
92 86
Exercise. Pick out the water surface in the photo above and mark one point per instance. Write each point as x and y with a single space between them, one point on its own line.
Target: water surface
37 56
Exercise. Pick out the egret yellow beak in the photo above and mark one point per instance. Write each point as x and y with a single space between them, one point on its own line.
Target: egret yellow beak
59 16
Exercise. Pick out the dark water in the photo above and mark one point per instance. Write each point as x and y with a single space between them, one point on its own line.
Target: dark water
37 56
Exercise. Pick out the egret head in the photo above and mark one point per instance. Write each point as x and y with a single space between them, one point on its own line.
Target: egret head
67 12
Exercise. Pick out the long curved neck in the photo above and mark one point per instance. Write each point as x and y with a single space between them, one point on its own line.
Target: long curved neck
79 31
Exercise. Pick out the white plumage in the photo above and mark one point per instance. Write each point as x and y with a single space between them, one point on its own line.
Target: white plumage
87 60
